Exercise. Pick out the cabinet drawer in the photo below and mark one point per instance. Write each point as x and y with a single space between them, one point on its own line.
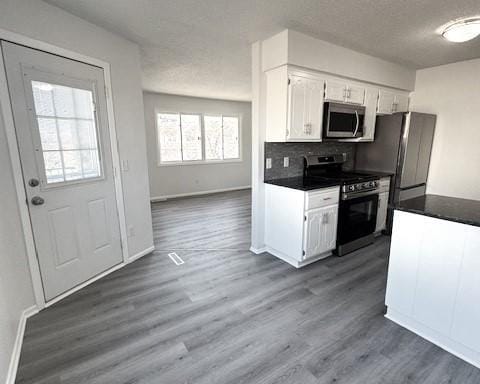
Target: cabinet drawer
322 198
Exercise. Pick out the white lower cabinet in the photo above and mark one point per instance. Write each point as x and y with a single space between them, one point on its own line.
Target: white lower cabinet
320 233
433 285
300 227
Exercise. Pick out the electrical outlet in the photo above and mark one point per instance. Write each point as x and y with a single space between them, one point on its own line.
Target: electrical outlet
286 162
268 163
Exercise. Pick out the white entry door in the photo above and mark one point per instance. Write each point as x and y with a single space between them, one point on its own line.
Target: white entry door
59 109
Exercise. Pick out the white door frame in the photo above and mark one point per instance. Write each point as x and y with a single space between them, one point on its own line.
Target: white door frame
5 105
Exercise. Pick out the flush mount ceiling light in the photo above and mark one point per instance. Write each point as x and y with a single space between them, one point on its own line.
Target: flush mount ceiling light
462 30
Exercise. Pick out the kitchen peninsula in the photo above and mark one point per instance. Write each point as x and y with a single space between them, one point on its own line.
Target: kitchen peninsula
433 286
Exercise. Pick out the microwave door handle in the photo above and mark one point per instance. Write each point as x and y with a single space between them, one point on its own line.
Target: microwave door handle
358 123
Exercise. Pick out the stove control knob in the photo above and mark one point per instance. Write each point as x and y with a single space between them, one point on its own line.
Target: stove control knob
351 188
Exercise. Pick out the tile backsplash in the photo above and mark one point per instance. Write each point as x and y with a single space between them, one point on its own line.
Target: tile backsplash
295 153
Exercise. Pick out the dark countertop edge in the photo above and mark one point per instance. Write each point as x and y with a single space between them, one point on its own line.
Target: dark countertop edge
439 215
296 183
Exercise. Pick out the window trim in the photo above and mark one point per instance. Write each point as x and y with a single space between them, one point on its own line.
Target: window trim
204 161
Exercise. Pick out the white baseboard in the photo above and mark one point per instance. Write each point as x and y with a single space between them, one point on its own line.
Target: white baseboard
17 347
154 199
258 251
141 254
444 342
295 262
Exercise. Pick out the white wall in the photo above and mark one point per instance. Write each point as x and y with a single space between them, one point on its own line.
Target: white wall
452 92
188 179
16 292
38 20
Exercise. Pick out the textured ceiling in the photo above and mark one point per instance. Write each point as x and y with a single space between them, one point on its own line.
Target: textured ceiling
202 47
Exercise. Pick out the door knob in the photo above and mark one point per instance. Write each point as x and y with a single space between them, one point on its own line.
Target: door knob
33 182
37 200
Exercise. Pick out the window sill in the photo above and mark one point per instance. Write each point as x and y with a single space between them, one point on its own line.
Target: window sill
200 162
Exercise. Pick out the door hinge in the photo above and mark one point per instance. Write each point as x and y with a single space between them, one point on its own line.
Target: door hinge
289 81
304 218
303 253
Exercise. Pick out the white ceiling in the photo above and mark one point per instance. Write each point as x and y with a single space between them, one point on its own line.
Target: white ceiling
202 47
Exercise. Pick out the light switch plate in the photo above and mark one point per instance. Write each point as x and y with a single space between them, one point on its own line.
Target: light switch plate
268 163
286 162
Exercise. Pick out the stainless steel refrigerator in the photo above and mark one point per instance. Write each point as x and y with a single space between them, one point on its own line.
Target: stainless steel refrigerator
402 146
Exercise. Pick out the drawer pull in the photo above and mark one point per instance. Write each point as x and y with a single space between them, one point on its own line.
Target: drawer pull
327 198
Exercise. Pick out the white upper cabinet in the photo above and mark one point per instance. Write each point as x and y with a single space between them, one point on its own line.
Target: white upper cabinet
371 97
400 103
294 103
305 109
294 106
390 102
355 94
335 91
344 92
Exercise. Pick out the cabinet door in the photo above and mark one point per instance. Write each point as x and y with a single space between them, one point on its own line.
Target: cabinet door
296 108
305 110
335 91
400 103
314 108
385 102
467 311
382 211
320 232
355 94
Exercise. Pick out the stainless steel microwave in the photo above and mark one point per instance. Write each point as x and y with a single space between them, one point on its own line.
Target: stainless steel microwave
343 120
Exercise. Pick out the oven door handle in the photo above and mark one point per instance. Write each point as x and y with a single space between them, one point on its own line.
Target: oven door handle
346 196
357 126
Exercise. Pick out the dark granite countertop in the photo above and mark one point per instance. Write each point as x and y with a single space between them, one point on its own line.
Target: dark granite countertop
302 184
442 207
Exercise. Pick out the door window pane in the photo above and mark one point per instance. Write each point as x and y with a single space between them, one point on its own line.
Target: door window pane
67 128
213 137
231 148
191 137
169 137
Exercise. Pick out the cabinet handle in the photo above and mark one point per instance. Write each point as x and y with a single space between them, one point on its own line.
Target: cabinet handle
325 218
327 198
307 128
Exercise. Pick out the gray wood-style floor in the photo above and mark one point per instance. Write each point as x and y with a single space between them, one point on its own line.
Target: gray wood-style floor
228 316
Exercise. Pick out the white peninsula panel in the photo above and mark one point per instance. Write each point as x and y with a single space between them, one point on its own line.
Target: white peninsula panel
433 286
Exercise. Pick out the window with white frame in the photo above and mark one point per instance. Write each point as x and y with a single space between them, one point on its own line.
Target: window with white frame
190 138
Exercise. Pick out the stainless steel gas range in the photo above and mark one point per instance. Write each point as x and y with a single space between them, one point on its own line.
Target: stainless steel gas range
359 191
